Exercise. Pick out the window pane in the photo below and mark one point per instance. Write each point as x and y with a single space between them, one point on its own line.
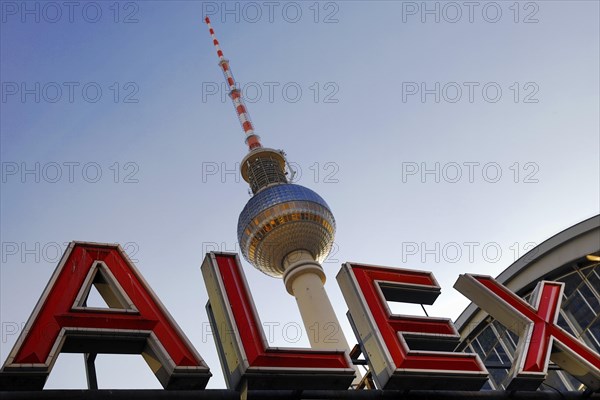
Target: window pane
553 382
487 339
502 354
571 282
492 359
594 281
592 335
506 340
487 386
513 337
579 312
497 375
595 329
563 324
575 384
477 347
587 270
590 299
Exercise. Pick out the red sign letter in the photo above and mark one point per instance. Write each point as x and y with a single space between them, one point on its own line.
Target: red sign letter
406 352
135 323
246 359
540 337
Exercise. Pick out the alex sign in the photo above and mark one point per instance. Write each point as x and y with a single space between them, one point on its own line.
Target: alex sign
406 352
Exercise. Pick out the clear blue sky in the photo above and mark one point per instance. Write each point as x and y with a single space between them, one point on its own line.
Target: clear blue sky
361 134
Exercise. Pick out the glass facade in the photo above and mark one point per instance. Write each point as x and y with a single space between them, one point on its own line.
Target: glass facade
579 315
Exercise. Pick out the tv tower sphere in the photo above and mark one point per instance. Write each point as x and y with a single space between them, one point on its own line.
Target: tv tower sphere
283 218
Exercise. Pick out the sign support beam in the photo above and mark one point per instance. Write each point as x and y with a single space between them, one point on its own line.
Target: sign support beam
90 370
227 394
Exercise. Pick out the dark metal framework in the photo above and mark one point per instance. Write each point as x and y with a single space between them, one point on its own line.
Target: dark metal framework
226 394
264 171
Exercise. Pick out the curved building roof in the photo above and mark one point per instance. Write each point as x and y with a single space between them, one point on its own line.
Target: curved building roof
542 262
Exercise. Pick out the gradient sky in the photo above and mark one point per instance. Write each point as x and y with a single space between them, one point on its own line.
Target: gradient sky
170 197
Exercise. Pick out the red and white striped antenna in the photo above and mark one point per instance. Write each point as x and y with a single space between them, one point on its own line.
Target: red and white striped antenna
252 139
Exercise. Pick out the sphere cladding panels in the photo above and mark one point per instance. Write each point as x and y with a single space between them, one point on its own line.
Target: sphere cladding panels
281 219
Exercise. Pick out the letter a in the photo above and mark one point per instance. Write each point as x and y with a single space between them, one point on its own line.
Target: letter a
135 323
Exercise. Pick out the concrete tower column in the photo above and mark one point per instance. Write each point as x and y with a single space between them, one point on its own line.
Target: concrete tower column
304 279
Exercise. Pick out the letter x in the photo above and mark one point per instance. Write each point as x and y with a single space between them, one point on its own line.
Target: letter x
541 338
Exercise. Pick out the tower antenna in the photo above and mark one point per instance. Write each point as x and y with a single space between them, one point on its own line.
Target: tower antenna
252 139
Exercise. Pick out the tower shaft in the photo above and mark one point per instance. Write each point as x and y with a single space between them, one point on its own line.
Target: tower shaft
304 279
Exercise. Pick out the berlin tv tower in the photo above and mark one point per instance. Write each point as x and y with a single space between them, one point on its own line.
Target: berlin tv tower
285 230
